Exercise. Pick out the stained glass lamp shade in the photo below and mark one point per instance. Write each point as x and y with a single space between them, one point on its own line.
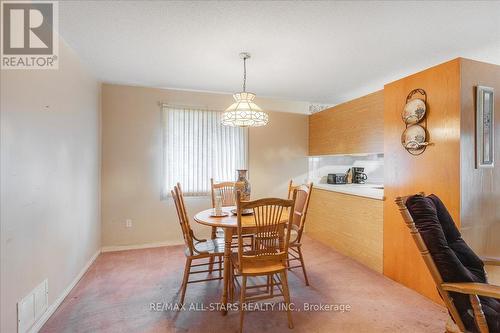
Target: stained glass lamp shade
244 112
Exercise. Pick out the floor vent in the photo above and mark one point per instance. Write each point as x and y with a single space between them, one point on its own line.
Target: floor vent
32 306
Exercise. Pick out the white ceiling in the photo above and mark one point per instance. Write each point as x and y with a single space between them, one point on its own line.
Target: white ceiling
326 52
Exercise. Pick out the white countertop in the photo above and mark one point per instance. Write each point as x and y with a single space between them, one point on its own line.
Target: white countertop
374 191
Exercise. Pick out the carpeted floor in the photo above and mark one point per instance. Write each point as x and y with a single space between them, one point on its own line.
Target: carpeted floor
118 291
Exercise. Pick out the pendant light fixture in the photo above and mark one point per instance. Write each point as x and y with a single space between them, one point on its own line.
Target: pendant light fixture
244 112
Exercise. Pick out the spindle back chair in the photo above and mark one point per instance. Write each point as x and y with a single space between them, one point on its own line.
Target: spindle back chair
272 219
304 192
196 249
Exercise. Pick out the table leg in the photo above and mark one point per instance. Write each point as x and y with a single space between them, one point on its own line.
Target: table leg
228 238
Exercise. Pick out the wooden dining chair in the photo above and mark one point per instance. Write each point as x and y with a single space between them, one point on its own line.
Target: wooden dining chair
228 195
268 257
228 198
196 250
297 227
458 273
226 191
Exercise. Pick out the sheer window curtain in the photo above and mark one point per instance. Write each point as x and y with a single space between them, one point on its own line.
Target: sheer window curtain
196 147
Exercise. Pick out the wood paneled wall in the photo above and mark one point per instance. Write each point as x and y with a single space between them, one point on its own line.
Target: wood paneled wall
350 224
437 170
480 200
353 127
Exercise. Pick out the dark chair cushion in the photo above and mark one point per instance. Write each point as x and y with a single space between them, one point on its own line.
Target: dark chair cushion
454 239
454 259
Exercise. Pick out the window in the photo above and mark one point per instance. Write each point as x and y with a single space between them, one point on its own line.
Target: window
196 147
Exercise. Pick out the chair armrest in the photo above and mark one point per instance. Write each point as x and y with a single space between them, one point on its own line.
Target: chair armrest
195 238
491 261
473 288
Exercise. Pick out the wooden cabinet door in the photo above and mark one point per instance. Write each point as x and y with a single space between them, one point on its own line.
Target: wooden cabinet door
349 128
350 224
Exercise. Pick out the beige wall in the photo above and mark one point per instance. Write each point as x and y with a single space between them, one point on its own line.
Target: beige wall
277 153
480 187
50 223
131 160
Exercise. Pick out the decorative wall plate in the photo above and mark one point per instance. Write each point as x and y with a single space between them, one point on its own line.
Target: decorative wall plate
413 139
414 111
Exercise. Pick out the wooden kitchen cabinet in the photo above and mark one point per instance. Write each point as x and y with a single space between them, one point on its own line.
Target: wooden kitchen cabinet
352 225
353 127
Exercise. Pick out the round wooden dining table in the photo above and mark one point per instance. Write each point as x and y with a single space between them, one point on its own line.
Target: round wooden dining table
230 224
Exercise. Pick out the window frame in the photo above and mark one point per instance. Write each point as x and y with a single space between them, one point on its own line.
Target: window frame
165 190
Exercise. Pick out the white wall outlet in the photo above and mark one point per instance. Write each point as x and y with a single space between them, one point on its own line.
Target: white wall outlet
128 223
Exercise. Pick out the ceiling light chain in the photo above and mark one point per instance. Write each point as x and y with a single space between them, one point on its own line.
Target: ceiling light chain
244 73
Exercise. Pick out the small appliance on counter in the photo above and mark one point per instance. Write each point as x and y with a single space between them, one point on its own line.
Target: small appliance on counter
358 175
348 176
336 178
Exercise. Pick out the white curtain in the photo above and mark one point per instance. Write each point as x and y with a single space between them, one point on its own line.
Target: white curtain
196 147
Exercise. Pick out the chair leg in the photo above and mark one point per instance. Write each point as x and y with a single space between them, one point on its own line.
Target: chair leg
286 296
451 327
242 301
187 269
213 235
231 283
220 266
301 257
210 265
272 285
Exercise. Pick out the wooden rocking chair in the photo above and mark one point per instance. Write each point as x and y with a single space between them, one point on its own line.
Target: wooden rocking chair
478 293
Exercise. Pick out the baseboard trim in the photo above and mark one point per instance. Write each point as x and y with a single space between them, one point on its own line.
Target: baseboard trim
53 307
138 246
